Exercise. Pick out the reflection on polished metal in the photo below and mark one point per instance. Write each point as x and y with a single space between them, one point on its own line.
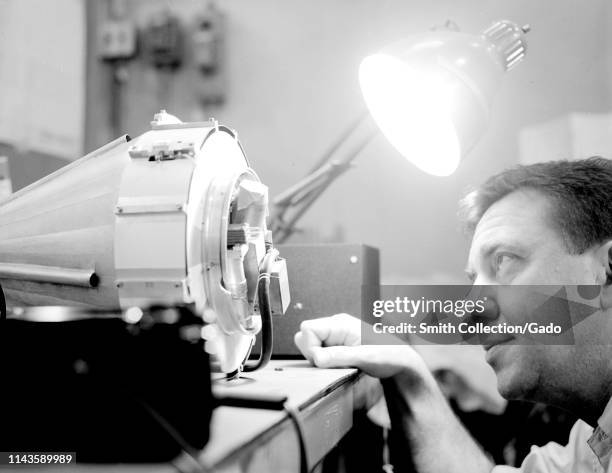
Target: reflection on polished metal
64 220
60 314
50 274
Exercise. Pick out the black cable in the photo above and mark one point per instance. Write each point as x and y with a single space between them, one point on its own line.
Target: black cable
294 415
267 332
265 311
272 403
189 452
267 343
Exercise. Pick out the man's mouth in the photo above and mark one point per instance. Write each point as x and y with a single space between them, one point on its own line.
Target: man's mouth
492 343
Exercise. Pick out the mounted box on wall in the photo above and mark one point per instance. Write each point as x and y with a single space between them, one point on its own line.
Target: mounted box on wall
208 44
325 279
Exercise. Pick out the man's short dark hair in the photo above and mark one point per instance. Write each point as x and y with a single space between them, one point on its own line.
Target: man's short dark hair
580 192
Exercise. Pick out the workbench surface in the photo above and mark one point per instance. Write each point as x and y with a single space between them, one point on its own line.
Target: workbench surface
254 440
266 440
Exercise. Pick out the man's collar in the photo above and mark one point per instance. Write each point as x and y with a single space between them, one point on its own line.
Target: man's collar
601 440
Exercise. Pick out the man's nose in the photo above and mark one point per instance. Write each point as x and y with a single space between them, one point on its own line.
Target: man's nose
485 296
483 280
490 312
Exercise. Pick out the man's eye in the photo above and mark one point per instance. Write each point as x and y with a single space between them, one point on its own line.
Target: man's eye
503 261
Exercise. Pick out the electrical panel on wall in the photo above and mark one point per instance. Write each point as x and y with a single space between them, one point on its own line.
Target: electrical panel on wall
117 40
163 41
208 55
182 51
117 34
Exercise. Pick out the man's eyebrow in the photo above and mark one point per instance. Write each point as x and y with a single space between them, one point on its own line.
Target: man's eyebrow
490 248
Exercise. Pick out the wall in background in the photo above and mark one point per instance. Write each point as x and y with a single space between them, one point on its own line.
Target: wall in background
42 85
42 75
292 88
26 167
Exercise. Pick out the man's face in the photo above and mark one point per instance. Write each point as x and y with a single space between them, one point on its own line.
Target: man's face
516 243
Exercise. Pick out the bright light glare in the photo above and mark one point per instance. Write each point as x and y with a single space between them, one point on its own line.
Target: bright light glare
413 112
133 315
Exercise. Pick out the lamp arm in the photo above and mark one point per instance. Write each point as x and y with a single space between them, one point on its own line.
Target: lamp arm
302 195
344 137
295 193
283 227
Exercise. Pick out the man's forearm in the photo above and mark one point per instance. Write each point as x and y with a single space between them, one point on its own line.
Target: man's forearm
437 441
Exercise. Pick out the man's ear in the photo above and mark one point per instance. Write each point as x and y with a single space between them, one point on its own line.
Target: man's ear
605 258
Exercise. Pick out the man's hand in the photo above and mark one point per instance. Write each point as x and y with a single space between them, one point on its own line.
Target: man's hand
335 342
419 413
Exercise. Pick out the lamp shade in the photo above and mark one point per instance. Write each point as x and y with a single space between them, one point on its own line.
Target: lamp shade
430 94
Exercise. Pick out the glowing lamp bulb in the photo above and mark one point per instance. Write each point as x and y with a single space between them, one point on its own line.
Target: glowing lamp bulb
430 94
412 111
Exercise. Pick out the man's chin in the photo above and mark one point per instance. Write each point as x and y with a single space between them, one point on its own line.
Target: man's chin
510 389
513 378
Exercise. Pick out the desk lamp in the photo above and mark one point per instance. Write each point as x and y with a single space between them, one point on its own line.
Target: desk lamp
430 95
